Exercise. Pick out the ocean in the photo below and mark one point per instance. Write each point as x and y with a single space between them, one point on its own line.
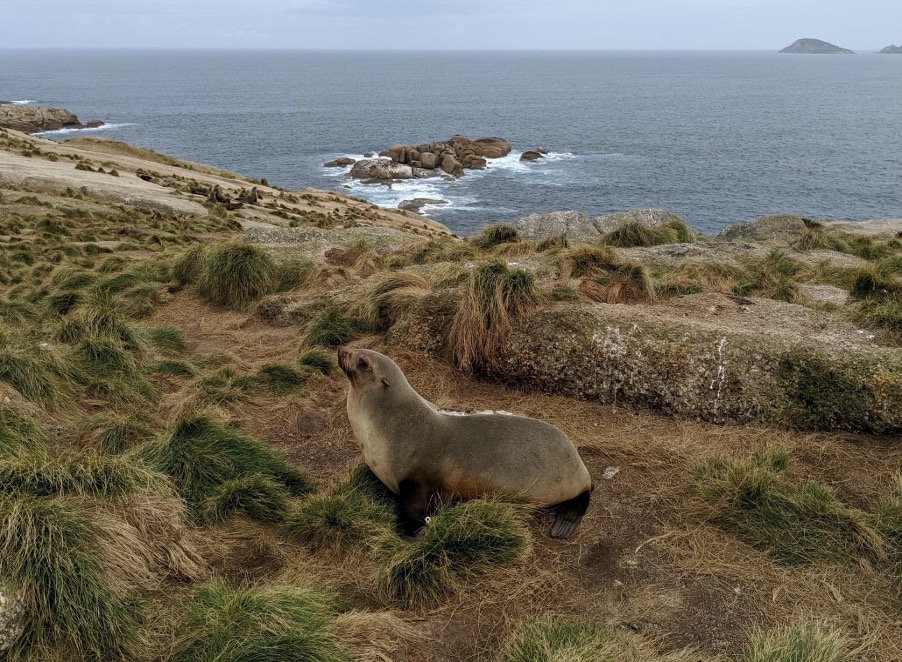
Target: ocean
718 137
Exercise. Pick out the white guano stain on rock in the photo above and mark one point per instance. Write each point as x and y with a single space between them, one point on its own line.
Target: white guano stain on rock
720 376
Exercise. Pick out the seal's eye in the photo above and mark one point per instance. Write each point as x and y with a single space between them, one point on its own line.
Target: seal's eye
363 364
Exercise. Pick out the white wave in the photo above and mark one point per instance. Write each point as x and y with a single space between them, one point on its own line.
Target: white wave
65 132
23 102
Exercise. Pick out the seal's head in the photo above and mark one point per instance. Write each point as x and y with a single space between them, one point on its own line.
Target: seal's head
369 371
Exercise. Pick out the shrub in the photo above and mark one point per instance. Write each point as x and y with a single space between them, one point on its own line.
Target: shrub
459 541
260 623
803 643
493 297
494 235
236 275
201 454
354 511
793 524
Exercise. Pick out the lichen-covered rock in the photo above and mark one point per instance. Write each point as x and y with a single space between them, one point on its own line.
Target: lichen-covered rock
32 119
706 356
649 217
381 169
575 224
12 619
779 231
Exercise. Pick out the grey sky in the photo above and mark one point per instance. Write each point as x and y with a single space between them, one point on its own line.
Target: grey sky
449 24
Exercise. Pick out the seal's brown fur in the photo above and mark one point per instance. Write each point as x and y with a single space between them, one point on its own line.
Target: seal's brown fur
420 452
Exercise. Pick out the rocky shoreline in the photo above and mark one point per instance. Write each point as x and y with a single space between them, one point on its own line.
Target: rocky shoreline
36 119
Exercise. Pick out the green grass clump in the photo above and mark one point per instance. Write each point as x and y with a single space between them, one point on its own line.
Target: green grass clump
623 283
868 248
60 303
109 370
168 339
37 372
280 378
188 267
201 454
794 524
20 434
318 360
588 260
494 296
442 250
334 327
381 304
271 623
114 434
16 313
634 233
773 276
493 235
563 292
237 275
798 643
73 279
255 496
50 558
459 542
172 369
559 640
294 274
357 510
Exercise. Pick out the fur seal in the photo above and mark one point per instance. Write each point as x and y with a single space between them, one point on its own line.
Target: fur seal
421 452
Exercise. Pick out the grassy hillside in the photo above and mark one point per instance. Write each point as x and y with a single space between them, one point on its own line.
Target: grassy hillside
179 481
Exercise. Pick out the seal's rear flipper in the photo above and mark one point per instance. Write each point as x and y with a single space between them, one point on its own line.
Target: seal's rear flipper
569 514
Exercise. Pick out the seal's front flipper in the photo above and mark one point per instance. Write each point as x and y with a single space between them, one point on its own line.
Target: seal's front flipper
413 505
569 515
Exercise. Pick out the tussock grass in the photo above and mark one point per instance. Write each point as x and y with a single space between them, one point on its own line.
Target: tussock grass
382 303
880 289
60 303
888 520
20 434
817 236
334 327
359 510
318 360
104 366
691 277
442 250
51 558
172 368
294 274
237 275
39 373
188 267
100 316
167 339
114 433
201 454
794 524
280 378
16 313
261 623
635 233
494 296
869 248
72 278
97 476
626 282
559 640
872 281
494 235
255 496
810 642
219 387
773 276
583 260
459 542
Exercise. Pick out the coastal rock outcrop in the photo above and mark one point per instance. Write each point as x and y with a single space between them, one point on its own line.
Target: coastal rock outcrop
574 224
778 231
531 155
33 119
649 217
383 169
341 162
815 47
454 156
892 49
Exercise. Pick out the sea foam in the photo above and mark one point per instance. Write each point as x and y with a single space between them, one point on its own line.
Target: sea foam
65 132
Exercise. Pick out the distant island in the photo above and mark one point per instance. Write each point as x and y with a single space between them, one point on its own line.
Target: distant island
893 49
815 47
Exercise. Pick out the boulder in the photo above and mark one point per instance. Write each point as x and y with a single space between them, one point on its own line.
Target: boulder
705 356
418 203
531 155
381 169
33 119
12 619
341 162
94 124
776 231
400 153
452 166
475 163
649 217
574 224
490 146
428 160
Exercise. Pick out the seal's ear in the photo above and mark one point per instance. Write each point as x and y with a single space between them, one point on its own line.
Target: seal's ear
385 382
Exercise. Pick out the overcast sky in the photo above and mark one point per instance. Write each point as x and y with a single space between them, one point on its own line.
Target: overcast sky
449 24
